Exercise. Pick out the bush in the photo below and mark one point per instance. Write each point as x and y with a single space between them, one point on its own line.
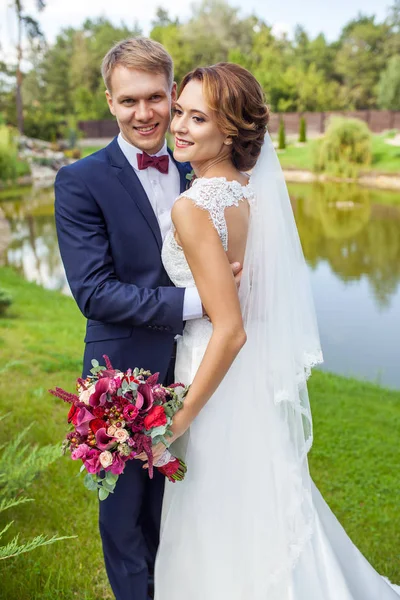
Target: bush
282 136
8 155
303 131
73 153
344 149
5 301
19 466
44 125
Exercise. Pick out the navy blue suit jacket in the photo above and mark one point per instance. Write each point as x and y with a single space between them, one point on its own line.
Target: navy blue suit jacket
110 244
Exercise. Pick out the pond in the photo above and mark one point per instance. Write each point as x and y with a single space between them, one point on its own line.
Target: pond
351 241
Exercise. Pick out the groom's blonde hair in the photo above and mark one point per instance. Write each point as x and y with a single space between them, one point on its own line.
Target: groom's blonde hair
141 54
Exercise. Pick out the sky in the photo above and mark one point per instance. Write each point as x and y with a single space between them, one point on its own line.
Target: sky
315 16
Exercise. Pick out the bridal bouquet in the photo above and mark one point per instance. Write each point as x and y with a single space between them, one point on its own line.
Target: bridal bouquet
116 416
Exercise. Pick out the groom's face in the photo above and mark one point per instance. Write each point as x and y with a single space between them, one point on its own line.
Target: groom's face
141 102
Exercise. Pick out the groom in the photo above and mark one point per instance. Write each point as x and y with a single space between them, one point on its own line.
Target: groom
112 213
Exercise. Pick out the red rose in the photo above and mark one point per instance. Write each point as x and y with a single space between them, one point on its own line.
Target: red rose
155 417
72 412
130 378
97 424
99 412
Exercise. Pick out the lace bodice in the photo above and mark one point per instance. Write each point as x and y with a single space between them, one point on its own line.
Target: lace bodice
214 195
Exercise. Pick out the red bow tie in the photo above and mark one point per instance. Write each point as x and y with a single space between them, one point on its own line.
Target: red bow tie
158 162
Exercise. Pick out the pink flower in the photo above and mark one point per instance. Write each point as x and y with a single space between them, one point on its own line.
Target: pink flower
131 412
106 458
80 452
121 435
92 461
118 464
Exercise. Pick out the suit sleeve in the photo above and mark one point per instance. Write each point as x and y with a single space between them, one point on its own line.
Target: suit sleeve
85 252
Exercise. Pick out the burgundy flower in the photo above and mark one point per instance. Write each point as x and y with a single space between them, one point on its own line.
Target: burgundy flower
97 424
103 440
82 419
71 413
153 379
99 412
146 392
159 393
99 395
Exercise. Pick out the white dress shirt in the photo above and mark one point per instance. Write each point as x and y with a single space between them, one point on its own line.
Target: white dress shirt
162 190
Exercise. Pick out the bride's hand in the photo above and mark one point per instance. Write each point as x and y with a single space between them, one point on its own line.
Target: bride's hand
180 424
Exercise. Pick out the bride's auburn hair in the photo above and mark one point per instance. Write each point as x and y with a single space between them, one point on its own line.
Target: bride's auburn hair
237 100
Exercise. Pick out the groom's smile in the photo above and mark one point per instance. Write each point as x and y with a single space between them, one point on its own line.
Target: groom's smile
141 102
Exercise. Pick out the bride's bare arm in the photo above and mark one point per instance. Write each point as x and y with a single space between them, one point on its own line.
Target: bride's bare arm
216 285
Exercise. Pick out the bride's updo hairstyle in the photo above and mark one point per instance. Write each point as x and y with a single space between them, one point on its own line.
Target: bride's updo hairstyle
237 100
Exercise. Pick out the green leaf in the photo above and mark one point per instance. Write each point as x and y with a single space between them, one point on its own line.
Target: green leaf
90 483
111 477
158 431
103 493
108 485
95 363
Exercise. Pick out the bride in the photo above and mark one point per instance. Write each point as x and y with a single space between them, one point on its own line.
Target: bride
247 523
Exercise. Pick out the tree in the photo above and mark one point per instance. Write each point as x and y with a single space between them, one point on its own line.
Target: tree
303 131
31 28
389 85
282 135
361 58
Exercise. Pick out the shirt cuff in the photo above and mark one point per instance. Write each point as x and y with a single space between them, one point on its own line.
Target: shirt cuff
192 306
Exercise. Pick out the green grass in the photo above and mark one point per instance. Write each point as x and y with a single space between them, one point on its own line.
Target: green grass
354 460
385 158
86 150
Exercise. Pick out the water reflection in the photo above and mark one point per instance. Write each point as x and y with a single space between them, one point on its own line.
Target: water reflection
340 225
33 249
351 240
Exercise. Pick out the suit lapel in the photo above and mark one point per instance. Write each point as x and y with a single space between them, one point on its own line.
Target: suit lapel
183 169
131 183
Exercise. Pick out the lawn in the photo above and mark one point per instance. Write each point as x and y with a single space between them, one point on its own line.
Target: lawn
86 150
354 461
385 158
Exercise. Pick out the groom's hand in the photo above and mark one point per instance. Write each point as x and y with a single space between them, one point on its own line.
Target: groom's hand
237 274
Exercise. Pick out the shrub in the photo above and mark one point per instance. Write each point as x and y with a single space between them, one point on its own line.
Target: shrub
303 131
5 301
282 136
344 149
8 155
73 153
19 466
43 125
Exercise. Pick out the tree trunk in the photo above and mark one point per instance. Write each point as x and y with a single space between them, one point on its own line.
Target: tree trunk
20 115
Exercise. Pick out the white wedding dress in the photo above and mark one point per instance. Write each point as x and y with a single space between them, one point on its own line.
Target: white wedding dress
243 525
